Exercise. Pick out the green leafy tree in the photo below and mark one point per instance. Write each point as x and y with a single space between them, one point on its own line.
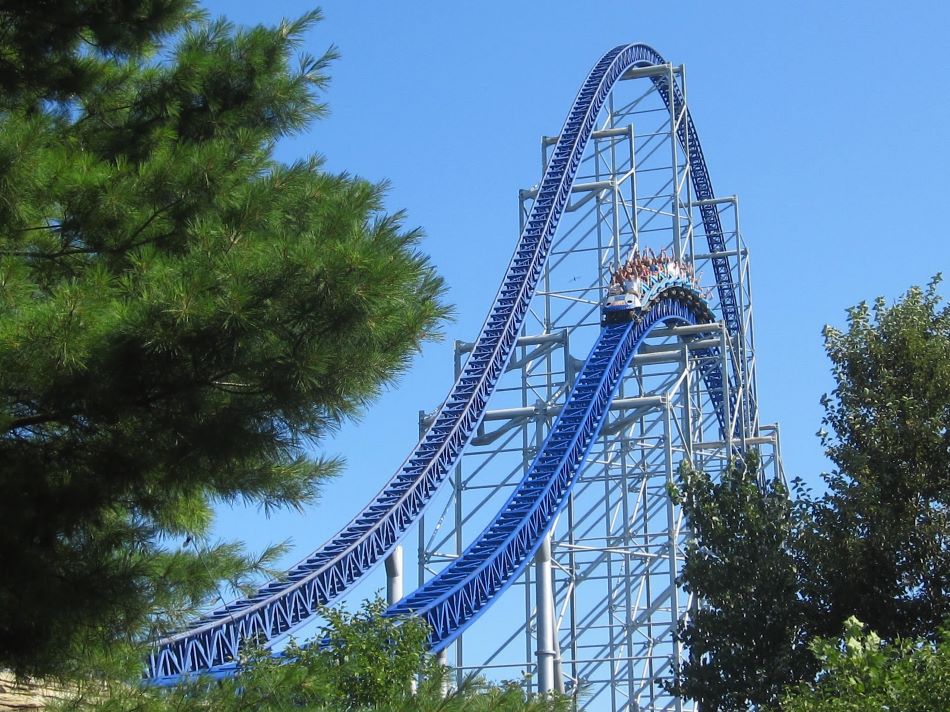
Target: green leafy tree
745 639
367 663
874 545
182 317
859 672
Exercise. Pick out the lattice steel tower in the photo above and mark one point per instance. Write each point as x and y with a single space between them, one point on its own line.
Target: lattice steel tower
597 612
560 437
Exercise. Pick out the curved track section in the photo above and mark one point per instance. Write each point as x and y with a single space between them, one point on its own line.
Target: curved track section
281 606
454 598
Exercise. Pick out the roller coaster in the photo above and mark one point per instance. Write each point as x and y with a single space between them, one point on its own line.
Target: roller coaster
583 428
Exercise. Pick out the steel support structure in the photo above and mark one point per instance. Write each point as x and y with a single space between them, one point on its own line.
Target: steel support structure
588 475
597 613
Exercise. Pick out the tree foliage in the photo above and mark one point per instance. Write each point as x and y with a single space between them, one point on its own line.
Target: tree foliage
860 672
744 640
53 50
182 316
367 662
875 544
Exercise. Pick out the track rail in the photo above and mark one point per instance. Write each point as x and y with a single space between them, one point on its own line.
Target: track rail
454 598
281 606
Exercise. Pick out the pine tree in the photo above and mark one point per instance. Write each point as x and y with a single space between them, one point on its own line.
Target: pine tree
182 317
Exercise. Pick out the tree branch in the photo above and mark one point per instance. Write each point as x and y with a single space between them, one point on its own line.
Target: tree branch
29 421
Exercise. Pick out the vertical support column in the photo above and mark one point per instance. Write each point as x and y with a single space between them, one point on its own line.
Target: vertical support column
724 354
394 580
523 216
634 209
572 588
558 670
458 481
672 542
628 574
615 197
545 617
394 585
421 544
688 171
686 417
442 658
674 164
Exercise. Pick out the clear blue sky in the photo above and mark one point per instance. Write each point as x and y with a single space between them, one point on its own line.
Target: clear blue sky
828 119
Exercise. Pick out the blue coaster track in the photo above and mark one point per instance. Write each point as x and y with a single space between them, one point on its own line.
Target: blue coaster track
281 606
454 598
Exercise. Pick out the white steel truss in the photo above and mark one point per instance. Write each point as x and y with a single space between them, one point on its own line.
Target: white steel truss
597 614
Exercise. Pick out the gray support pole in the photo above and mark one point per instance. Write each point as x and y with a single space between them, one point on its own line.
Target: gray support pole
674 162
724 369
672 538
634 210
442 657
545 616
394 585
558 670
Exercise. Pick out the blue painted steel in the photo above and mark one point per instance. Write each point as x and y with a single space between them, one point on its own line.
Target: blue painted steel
281 606
453 599
459 594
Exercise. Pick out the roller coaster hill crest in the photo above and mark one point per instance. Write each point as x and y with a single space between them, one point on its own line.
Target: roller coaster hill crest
536 503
